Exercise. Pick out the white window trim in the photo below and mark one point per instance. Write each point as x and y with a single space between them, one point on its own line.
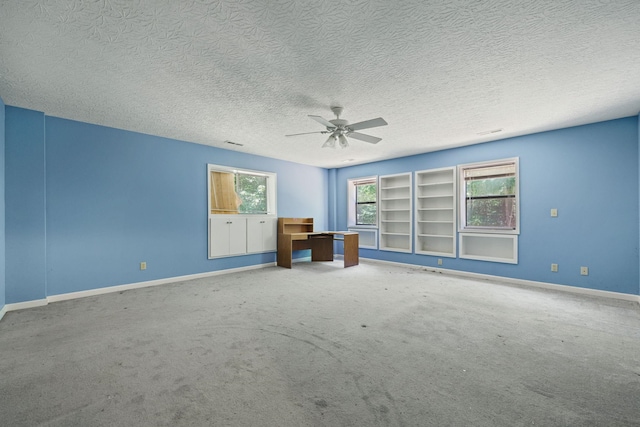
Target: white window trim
351 202
272 186
462 211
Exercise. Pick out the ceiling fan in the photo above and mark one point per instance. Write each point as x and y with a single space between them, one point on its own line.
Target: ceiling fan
339 129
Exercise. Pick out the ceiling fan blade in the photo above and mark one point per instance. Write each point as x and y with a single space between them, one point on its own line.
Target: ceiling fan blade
307 133
368 124
366 138
322 121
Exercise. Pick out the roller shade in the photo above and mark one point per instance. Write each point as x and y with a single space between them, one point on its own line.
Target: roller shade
493 171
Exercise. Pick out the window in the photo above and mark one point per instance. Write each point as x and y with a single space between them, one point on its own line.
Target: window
489 197
233 191
366 203
252 191
363 202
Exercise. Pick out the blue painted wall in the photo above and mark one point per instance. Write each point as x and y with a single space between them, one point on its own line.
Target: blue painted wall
25 205
2 232
85 204
115 198
589 173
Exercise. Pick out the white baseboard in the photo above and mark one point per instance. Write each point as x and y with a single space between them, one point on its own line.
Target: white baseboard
26 304
120 288
138 285
520 282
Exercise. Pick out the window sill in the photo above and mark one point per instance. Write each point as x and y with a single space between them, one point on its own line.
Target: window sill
489 231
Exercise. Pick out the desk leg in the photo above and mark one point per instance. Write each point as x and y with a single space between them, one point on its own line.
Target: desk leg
285 250
351 249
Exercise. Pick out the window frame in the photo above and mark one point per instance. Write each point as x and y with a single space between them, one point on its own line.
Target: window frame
462 199
271 181
352 185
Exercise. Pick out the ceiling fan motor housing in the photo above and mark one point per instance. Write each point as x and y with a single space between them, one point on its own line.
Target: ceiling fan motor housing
339 123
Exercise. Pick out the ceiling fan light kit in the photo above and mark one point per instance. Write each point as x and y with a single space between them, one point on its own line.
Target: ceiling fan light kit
339 129
343 141
330 143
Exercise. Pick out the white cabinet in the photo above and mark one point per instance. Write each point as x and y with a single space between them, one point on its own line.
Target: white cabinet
436 212
231 235
395 212
261 234
228 236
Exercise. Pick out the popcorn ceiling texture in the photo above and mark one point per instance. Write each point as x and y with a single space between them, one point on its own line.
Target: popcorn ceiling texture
251 71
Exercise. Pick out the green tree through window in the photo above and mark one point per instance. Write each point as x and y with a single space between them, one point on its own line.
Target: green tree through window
252 190
491 196
366 204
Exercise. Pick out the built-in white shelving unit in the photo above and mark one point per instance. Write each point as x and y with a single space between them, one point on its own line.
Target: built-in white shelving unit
395 212
489 247
435 216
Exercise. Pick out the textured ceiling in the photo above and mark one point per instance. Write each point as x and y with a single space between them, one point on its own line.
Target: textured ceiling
439 72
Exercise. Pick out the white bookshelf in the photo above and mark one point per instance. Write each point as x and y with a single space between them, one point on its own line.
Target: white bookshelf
435 216
395 212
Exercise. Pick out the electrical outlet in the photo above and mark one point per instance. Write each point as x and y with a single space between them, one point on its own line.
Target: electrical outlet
143 265
554 268
439 261
554 212
584 271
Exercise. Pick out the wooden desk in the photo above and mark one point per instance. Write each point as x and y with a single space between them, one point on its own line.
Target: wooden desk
321 245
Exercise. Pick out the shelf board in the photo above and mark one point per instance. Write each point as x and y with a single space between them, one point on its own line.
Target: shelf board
395 249
441 236
436 222
395 210
386 233
435 183
395 187
439 196
435 209
405 221
435 253
395 198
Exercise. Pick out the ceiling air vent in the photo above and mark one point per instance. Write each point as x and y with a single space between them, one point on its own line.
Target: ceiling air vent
489 132
234 143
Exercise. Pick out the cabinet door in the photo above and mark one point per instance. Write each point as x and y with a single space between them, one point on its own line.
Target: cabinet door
270 234
218 237
261 234
254 234
237 236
